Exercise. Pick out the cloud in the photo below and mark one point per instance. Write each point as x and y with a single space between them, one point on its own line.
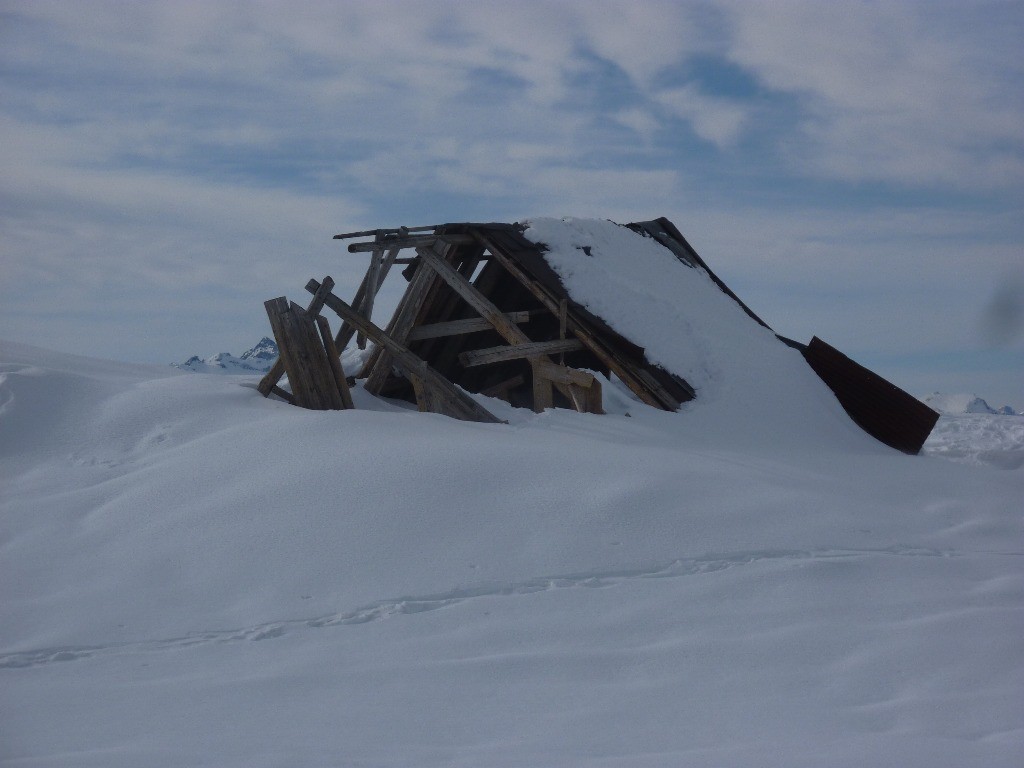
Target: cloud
912 93
830 160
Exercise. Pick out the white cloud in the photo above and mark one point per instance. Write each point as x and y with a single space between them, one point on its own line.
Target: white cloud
719 121
916 93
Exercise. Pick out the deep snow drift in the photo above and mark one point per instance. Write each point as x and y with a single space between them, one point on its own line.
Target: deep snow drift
193 574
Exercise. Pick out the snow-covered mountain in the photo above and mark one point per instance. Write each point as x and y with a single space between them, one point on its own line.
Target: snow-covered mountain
258 359
957 404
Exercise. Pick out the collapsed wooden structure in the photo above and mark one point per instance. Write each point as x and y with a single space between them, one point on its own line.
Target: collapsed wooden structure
484 312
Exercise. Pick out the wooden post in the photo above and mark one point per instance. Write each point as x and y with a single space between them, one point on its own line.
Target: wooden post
372 281
305 359
269 381
335 361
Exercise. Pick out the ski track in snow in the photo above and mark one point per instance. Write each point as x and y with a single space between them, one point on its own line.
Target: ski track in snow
385 609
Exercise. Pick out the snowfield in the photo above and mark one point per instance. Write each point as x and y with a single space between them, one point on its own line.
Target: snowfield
196 575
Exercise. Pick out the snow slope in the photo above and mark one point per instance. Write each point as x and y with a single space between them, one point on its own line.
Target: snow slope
193 574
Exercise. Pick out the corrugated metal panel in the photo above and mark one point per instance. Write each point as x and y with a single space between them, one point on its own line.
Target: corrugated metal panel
881 409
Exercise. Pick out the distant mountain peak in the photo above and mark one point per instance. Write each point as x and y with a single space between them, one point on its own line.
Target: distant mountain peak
963 403
257 359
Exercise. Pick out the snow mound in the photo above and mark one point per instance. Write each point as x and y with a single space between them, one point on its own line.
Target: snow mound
749 384
194 574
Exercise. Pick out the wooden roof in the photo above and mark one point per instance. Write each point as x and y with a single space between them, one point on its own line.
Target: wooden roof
485 311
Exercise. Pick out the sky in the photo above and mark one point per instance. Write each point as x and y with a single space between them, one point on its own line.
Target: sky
852 170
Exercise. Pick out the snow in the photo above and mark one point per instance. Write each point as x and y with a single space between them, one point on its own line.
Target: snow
193 574
962 403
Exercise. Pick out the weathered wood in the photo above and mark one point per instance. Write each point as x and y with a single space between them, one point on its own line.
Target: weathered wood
335 361
346 332
459 327
413 241
378 366
372 280
518 351
376 232
269 381
542 396
641 389
446 397
583 388
305 359
565 375
473 297
563 314
501 389
284 395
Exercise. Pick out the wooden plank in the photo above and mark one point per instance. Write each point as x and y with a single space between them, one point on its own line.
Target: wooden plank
335 361
413 241
518 351
647 392
269 381
542 395
313 357
283 394
458 327
305 359
376 232
372 280
565 375
378 367
346 331
446 398
277 309
509 330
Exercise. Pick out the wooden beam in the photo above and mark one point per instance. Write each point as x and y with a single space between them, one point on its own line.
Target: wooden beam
648 391
509 330
376 232
269 381
335 361
378 366
305 359
518 351
412 241
445 398
565 375
346 332
372 280
542 396
457 327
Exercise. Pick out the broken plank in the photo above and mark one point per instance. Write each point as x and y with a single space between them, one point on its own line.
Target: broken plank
303 354
518 351
448 398
457 327
335 361
271 377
